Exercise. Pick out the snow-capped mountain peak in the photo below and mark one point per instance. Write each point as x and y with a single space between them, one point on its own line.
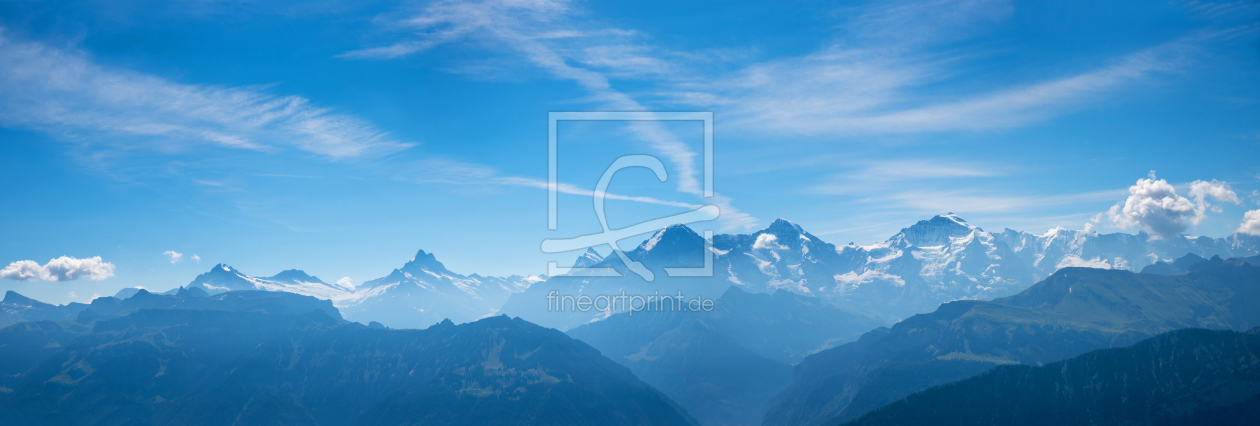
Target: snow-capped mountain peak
782 229
937 231
671 239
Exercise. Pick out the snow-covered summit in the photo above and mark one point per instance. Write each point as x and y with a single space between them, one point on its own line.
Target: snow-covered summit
938 230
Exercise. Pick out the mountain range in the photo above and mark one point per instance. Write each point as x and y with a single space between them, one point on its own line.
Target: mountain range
421 293
1076 310
797 332
934 261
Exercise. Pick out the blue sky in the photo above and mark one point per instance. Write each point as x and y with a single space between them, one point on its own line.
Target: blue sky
339 138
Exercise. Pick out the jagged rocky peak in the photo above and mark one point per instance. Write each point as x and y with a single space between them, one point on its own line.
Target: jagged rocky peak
187 292
784 230
295 275
587 259
425 261
936 231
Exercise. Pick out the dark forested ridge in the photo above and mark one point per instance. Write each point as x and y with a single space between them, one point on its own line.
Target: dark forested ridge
1184 377
1074 311
183 366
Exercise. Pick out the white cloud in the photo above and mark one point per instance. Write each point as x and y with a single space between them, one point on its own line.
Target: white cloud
174 255
850 281
1076 262
62 91
23 270
1154 206
1250 224
346 282
1089 226
1220 191
196 258
63 268
767 241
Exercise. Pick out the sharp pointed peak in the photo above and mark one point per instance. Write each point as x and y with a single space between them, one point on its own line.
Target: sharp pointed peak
954 217
783 226
426 261
671 234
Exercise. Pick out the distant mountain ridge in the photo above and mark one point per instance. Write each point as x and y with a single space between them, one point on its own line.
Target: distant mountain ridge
724 365
16 308
421 293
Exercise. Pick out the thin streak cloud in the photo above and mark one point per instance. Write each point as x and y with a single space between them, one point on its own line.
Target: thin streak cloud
62 91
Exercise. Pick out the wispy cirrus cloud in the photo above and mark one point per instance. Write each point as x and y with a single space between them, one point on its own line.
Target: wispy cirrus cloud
873 81
544 34
441 170
62 91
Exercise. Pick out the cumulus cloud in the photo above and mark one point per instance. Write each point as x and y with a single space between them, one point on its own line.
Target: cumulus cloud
1250 224
63 268
1154 206
174 255
196 258
1089 226
23 270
